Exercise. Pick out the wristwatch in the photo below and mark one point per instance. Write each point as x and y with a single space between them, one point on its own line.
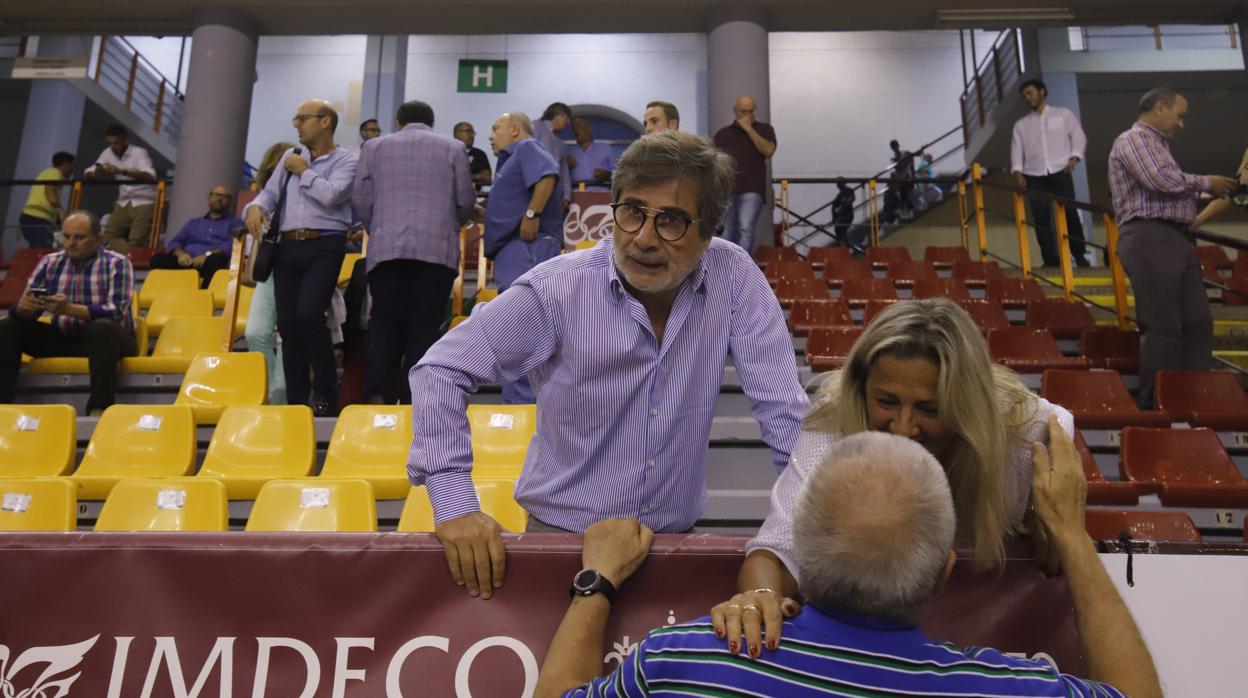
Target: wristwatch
589 582
530 213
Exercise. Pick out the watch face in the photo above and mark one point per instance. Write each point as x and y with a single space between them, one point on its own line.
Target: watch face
585 579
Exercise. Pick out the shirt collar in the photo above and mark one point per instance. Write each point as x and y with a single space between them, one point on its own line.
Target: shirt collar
825 616
1152 130
416 127
511 147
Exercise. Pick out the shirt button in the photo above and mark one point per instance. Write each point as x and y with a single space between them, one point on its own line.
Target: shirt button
654 412
652 463
645 510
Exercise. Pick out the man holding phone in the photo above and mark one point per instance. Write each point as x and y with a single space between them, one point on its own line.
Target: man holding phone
87 290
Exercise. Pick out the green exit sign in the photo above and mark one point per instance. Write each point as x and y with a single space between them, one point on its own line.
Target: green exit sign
482 76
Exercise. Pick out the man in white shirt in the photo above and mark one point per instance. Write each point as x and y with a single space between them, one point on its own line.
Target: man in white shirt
130 224
1047 145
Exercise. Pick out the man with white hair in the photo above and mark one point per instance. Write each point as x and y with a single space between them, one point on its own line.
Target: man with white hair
873 532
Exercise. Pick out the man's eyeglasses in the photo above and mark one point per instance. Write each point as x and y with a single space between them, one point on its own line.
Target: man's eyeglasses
670 225
300 118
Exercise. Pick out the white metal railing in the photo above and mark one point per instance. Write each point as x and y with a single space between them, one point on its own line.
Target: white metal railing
1159 37
132 79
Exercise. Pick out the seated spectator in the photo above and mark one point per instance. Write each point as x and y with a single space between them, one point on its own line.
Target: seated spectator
88 291
920 370
204 243
592 162
873 532
43 208
130 222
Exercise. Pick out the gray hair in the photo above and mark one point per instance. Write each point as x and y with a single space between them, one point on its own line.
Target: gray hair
674 155
873 527
521 121
1163 95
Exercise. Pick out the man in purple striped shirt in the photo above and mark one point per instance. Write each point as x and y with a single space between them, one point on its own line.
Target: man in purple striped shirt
625 345
1154 203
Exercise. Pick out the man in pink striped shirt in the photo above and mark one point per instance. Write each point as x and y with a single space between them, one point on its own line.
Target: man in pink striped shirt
1154 203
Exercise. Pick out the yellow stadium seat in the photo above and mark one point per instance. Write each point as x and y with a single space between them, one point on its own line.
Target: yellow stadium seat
160 282
37 440
43 504
348 266
171 504
486 295
497 498
78 364
217 285
216 381
181 340
253 444
458 320
500 438
371 442
314 505
173 304
244 309
136 441
586 244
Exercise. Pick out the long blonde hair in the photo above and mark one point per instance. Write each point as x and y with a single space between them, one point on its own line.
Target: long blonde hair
268 163
983 403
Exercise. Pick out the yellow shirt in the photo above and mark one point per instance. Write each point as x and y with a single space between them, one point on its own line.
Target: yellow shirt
37 203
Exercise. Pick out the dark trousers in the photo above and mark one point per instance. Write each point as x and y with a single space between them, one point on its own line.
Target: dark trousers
305 273
409 306
212 265
103 341
1171 306
37 231
1058 184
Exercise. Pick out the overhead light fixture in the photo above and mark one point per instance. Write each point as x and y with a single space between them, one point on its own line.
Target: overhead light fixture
1002 16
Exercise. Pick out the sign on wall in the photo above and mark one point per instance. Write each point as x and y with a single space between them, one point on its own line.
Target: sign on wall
49 68
482 75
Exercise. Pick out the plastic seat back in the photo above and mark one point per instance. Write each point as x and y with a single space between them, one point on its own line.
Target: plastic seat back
1204 398
976 274
789 270
790 290
945 257
835 274
769 253
875 307
37 440
161 282
1162 526
858 291
497 498
371 442
1155 457
182 339
1110 347
988 315
1014 293
880 257
141 257
1098 399
1101 490
314 505
905 273
1065 319
218 286
821 257
1214 257
215 381
253 444
807 315
173 504
136 441
1029 349
501 435
952 289
828 347
40 504
177 303
348 267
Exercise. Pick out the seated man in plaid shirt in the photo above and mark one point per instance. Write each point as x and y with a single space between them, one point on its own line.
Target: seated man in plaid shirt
87 290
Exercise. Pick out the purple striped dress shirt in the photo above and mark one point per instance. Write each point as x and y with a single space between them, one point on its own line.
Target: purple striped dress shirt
1146 182
104 283
623 423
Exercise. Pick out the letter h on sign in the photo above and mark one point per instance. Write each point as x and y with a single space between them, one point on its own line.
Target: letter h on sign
482 75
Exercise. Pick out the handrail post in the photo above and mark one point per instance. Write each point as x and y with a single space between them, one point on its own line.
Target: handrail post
99 61
962 215
482 262
457 289
134 71
1020 222
873 210
160 106
75 196
229 316
1063 249
996 72
977 185
157 214
1116 271
784 212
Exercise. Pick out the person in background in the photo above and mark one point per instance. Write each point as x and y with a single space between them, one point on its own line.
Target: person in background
592 162
661 116
750 143
478 163
843 212
261 333
130 223
546 130
369 130
204 243
43 209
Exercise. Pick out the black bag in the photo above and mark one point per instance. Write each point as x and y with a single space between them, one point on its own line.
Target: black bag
266 247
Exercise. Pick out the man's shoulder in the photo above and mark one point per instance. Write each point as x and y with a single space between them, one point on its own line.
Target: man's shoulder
561 273
110 258
531 148
50 174
724 255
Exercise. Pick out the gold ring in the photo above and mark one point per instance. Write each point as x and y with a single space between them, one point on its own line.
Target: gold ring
749 607
735 605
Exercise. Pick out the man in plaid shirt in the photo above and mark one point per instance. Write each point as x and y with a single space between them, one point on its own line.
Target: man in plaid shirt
87 290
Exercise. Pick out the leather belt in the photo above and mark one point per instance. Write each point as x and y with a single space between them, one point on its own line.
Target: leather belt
302 234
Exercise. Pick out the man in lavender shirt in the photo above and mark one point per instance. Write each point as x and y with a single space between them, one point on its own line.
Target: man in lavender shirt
412 191
625 345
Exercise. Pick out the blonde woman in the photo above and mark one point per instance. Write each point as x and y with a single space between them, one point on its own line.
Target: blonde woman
261 333
921 370
1222 204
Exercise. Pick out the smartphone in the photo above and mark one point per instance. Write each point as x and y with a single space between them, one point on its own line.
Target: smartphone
37 291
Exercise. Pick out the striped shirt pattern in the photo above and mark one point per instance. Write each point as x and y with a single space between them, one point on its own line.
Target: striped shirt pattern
622 423
318 199
104 283
829 655
412 191
1146 182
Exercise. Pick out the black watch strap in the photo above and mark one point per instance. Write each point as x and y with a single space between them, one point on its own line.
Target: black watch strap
588 582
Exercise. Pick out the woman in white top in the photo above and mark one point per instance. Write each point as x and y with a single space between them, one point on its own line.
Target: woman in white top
922 370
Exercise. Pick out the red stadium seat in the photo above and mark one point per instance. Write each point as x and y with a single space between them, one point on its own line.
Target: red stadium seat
141 257
1211 399
1099 400
828 347
1240 268
1213 257
1100 490
11 290
976 274
1183 467
820 257
30 255
1167 526
988 315
1112 348
1065 319
785 269
905 274
1014 293
856 292
945 257
873 308
790 290
1029 350
879 257
952 289
767 254
807 315
836 273
1236 283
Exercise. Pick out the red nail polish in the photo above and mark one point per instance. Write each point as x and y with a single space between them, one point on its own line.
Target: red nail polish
732 647
754 651
771 645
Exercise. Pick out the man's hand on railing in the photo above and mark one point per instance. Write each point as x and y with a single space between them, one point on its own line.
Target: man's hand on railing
256 220
1020 180
1222 186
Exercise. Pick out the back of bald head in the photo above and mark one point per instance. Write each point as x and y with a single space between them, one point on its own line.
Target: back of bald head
521 121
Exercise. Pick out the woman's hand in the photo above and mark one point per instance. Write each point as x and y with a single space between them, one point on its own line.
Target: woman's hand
757 615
